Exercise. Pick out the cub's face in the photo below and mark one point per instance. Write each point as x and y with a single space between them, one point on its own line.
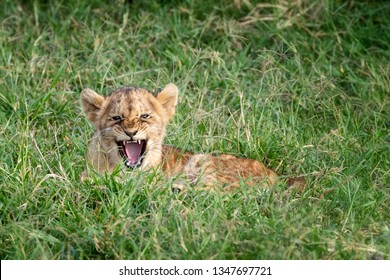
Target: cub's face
130 123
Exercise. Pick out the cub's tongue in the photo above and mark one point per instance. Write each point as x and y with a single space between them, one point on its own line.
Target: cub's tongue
133 151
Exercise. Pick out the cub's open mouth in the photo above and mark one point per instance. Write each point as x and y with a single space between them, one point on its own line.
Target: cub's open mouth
132 152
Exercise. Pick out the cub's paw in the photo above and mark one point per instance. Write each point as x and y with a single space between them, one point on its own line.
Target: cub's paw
179 187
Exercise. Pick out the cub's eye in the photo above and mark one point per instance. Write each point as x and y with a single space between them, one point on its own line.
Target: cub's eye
116 118
144 116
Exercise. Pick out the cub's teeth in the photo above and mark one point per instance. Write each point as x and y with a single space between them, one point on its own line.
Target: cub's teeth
132 141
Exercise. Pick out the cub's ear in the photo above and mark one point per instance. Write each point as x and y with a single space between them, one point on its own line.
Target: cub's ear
91 102
168 99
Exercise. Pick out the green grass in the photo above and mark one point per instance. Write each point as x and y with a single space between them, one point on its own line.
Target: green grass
301 85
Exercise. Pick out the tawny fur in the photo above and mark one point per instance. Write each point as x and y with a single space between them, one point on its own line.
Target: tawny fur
223 171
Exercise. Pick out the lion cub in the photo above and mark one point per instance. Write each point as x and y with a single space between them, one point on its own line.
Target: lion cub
130 128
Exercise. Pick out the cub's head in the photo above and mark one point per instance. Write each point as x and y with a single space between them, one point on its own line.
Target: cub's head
130 123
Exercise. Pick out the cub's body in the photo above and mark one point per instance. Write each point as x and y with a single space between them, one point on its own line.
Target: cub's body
130 129
225 171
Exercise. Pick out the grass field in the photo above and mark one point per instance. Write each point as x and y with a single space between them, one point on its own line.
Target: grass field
301 85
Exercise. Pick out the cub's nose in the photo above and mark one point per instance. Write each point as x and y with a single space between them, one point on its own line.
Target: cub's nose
131 134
